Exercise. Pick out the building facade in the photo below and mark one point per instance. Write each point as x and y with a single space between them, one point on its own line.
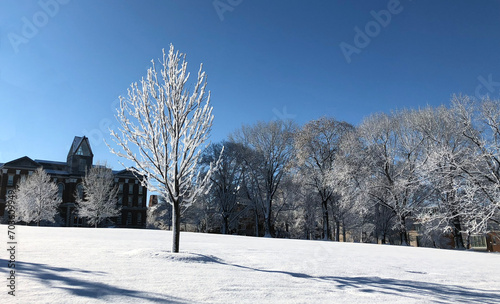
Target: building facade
68 176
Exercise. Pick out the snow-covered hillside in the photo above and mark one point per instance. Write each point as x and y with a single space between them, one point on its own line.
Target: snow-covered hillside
80 265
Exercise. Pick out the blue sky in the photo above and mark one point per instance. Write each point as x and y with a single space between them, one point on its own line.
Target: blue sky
63 64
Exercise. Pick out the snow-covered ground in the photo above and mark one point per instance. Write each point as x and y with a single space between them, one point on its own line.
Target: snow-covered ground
80 265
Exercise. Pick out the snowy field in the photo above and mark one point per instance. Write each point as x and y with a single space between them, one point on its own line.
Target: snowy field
80 265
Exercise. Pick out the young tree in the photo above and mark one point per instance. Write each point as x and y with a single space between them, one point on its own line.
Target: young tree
37 198
162 128
99 201
272 146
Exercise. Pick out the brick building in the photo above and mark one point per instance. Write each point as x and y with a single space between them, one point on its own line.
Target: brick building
68 176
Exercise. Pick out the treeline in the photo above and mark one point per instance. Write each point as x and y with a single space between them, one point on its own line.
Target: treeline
437 169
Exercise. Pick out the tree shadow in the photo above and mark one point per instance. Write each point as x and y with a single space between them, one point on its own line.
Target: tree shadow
59 277
439 293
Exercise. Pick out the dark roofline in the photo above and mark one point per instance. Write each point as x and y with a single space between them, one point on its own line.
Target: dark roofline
43 161
34 163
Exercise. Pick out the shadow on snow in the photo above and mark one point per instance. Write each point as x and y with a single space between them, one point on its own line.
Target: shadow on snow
55 277
440 293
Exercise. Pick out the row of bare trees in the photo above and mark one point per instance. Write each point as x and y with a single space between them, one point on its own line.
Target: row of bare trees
438 168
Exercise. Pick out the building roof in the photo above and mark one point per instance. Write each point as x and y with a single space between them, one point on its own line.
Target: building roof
22 162
77 143
43 161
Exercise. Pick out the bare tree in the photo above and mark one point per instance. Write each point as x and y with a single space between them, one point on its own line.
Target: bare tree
272 144
36 198
162 128
394 151
99 201
316 147
447 150
226 180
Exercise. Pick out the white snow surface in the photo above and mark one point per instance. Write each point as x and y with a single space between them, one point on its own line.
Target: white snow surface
88 265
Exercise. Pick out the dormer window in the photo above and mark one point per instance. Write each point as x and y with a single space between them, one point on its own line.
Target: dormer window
83 150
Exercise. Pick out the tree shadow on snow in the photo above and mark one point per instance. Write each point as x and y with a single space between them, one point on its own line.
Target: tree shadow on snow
439 293
63 278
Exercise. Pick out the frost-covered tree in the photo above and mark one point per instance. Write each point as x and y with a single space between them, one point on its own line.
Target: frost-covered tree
226 181
481 126
447 150
163 126
271 144
99 201
36 198
316 147
393 152
462 167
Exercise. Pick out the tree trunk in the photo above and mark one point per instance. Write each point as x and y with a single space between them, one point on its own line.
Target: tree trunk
176 226
267 226
256 222
225 225
267 219
337 232
403 233
344 232
457 234
326 230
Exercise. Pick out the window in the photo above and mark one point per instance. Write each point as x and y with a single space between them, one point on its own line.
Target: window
130 200
83 150
140 189
478 241
10 180
139 202
139 219
120 200
79 190
119 220
129 219
130 188
120 188
60 190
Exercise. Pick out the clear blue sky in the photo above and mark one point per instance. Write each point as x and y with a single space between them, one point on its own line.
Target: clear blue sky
62 68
